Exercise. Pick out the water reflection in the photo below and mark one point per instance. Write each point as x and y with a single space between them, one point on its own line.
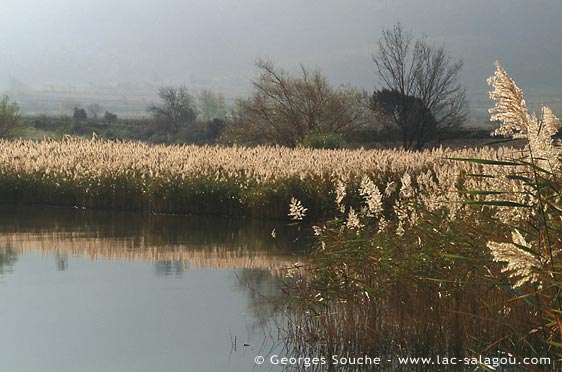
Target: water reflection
173 243
7 259
96 291
263 298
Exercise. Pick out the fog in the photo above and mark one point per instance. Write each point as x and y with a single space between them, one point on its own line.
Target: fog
214 43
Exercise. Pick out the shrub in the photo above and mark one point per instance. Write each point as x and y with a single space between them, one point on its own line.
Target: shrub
79 114
10 117
110 117
324 141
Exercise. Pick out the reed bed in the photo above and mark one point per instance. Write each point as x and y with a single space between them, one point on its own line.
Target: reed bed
234 181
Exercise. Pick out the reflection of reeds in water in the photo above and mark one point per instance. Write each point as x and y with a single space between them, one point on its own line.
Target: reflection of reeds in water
138 249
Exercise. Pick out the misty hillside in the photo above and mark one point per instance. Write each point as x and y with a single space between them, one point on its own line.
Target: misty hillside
128 48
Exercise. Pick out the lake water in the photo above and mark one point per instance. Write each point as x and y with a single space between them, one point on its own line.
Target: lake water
100 291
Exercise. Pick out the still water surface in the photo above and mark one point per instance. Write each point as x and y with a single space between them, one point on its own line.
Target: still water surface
99 291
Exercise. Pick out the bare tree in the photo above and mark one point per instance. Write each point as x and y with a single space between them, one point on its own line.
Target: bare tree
285 109
212 105
421 92
177 108
94 109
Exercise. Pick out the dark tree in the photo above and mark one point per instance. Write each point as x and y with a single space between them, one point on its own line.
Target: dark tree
79 114
177 108
421 92
110 117
214 129
421 125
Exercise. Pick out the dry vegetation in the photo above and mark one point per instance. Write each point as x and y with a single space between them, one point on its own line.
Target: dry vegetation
454 258
219 180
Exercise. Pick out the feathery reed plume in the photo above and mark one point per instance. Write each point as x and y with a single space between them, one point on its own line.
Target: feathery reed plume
510 107
340 194
372 195
296 210
519 263
353 222
511 110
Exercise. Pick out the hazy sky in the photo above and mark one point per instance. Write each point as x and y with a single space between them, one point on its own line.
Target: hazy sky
214 43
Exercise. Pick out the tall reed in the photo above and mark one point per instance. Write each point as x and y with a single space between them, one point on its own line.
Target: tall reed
233 181
461 258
